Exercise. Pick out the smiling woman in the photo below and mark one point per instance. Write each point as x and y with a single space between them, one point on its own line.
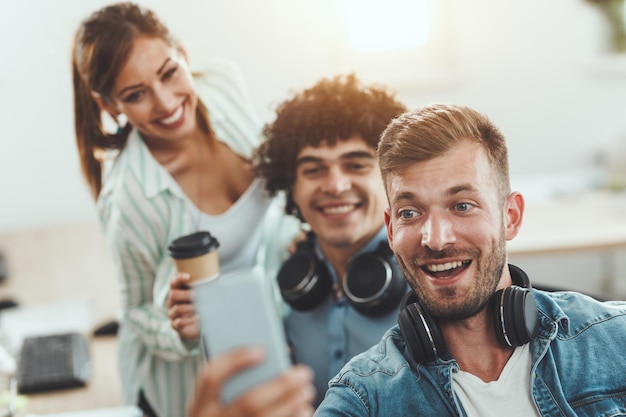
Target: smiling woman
158 99
180 163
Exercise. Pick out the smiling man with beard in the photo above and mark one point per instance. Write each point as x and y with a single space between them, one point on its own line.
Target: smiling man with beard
474 339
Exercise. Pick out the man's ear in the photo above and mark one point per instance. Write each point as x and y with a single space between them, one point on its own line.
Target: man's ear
513 214
389 227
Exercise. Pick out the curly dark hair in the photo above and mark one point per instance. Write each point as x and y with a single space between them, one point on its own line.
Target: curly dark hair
334 109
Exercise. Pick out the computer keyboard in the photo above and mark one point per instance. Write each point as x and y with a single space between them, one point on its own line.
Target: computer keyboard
53 362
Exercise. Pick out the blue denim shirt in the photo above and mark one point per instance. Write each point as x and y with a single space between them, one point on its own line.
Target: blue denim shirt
328 336
579 368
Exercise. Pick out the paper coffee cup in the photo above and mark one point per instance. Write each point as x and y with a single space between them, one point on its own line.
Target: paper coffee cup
196 254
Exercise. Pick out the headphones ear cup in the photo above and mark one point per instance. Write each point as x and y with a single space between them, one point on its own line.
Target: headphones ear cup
304 280
373 282
420 332
515 315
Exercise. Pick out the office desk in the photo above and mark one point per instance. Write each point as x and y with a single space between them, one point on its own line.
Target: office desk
578 240
63 263
587 221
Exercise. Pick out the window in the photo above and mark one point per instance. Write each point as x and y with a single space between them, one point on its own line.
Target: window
380 26
406 44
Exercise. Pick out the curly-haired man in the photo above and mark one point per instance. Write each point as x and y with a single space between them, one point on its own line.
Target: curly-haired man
321 151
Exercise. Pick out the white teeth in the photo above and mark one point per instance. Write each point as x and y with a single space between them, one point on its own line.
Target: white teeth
444 267
338 209
174 117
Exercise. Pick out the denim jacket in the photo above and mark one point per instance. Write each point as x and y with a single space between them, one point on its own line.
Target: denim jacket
578 356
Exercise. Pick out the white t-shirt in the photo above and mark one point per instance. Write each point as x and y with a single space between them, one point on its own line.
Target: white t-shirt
508 396
239 245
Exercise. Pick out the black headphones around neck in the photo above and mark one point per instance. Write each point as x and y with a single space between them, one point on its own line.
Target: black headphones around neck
373 283
516 319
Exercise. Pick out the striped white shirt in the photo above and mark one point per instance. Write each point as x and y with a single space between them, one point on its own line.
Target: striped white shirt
142 210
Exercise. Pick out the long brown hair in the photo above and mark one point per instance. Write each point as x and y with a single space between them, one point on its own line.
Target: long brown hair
102 44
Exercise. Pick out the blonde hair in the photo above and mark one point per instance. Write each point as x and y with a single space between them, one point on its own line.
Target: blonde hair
423 134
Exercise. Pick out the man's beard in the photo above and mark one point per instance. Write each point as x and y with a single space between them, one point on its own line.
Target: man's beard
448 302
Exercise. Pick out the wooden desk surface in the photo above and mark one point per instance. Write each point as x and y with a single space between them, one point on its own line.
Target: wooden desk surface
588 221
63 263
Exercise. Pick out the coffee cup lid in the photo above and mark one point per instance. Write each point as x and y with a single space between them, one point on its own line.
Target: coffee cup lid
193 245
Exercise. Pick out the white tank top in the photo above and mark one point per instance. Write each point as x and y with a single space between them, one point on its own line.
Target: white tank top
508 396
239 230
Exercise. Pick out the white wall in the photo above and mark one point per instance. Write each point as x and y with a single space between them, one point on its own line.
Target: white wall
526 63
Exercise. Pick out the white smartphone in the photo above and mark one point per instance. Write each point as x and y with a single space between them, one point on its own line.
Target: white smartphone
237 309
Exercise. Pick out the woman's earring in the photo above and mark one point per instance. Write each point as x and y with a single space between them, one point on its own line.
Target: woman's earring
121 121
113 125
109 123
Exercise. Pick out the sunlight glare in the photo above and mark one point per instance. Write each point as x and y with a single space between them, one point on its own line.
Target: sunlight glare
376 25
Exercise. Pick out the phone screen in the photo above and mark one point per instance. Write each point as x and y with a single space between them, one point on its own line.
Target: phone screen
238 309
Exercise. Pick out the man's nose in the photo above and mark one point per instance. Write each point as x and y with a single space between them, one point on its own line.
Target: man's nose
437 232
337 181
